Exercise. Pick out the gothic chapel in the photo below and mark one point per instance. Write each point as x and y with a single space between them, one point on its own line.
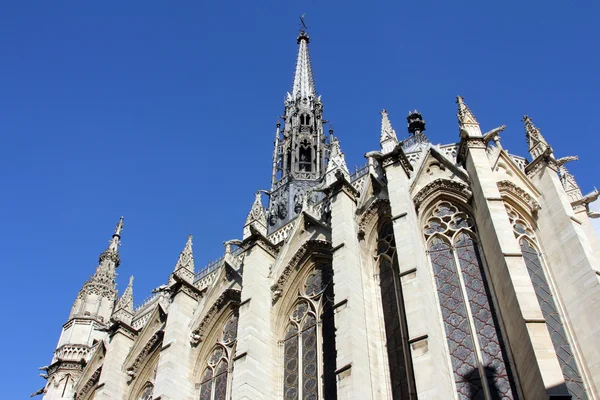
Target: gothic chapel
456 271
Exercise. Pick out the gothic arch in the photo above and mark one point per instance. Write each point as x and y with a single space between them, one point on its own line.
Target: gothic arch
454 191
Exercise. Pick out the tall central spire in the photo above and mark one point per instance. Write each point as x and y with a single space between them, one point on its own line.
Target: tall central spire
301 146
304 85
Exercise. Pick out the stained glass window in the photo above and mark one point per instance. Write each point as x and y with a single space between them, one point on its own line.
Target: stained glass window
566 358
474 339
215 380
301 358
399 359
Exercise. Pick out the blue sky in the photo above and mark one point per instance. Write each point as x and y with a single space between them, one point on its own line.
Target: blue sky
165 112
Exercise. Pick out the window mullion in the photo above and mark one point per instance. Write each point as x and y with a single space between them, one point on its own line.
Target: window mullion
300 364
478 357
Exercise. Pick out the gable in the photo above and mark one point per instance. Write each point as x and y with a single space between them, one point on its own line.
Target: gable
434 166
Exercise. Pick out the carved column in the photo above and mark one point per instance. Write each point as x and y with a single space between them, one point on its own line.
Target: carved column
253 369
571 257
533 353
173 376
353 375
426 335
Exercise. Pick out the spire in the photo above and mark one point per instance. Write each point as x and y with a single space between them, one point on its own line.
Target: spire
124 309
257 217
466 120
337 162
304 85
535 140
388 138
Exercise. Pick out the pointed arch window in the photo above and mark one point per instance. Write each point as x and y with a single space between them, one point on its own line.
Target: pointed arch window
477 351
302 355
535 267
216 379
396 331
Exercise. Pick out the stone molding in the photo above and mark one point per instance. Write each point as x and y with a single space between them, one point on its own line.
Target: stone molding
89 384
456 188
543 160
257 238
342 185
149 347
309 249
467 143
229 296
519 194
378 207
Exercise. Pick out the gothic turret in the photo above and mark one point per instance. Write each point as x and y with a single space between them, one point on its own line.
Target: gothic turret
97 297
301 147
87 324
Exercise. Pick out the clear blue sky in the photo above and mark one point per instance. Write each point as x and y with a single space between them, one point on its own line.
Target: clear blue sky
165 112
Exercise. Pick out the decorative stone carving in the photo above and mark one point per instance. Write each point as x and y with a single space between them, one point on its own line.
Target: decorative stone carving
459 189
508 186
89 384
150 346
228 296
309 248
378 207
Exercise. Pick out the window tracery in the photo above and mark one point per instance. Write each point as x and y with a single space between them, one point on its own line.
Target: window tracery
301 353
215 381
474 339
399 358
524 233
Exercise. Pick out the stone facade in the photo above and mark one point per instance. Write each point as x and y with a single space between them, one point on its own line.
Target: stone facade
455 271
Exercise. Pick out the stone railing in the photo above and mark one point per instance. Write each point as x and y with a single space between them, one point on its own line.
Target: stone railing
73 352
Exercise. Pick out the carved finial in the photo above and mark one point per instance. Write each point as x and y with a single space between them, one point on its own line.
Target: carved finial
186 257
469 127
388 138
465 115
257 217
124 309
337 161
536 142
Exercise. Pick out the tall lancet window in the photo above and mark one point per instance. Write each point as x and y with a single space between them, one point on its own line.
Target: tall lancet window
308 348
475 342
215 382
396 332
533 260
